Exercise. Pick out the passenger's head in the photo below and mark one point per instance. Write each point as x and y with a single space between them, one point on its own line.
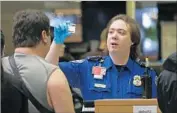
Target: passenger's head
31 29
123 35
2 43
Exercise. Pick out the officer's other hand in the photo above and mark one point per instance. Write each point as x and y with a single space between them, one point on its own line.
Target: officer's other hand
61 32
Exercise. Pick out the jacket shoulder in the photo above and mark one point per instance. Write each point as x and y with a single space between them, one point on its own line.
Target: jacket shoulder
94 58
142 65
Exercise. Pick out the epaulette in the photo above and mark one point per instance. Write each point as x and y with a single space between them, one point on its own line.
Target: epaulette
94 58
141 63
78 61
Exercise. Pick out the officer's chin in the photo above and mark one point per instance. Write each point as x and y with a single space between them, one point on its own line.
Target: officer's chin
113 50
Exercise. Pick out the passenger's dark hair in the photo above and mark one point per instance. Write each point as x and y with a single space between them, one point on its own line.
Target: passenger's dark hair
28 26
52 33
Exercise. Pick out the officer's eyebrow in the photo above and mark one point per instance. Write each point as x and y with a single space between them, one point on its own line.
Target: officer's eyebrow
119 29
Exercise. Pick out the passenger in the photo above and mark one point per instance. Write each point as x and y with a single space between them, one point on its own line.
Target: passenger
45 82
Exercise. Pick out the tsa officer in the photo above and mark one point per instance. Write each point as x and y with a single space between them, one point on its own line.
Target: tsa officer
117 75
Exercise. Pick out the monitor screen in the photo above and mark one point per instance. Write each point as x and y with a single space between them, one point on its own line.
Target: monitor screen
147 20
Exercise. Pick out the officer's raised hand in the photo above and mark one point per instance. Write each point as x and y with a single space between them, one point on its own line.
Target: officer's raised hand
61 32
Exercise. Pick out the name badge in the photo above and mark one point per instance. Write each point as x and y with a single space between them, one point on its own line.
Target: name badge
99 85
98 76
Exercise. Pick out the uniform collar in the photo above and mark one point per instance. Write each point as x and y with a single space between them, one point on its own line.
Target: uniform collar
108 63
129 64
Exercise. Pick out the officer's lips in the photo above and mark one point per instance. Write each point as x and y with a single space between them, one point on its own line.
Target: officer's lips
114 44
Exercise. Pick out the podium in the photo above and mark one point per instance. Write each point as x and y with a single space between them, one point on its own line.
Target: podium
127 106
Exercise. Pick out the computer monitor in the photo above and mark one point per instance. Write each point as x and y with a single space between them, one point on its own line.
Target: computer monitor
147 19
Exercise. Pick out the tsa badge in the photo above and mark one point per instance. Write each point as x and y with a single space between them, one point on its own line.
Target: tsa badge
137 80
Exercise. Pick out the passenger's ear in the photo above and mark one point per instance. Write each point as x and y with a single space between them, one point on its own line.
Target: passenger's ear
44 37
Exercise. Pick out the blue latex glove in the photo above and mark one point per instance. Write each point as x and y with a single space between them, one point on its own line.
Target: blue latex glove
61 33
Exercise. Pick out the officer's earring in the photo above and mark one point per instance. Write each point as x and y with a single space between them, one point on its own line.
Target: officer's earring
132 43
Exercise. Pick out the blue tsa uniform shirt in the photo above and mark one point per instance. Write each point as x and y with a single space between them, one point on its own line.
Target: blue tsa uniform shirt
98 78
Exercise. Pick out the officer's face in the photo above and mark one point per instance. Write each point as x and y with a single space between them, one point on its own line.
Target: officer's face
119 37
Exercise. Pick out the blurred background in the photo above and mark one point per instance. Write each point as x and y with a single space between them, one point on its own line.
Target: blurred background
157 22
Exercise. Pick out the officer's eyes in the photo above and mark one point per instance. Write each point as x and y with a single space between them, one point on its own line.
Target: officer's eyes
119 31
110 32
122 32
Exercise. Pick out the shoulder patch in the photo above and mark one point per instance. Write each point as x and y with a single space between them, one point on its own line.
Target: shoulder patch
78 61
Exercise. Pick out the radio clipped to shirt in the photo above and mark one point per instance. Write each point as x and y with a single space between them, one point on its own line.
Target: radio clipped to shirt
147 82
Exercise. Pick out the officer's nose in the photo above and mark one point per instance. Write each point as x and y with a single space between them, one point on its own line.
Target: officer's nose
115 36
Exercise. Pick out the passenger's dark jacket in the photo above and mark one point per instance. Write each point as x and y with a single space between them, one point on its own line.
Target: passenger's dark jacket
167 86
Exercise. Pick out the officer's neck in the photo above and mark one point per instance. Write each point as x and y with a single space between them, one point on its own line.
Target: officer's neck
119 59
